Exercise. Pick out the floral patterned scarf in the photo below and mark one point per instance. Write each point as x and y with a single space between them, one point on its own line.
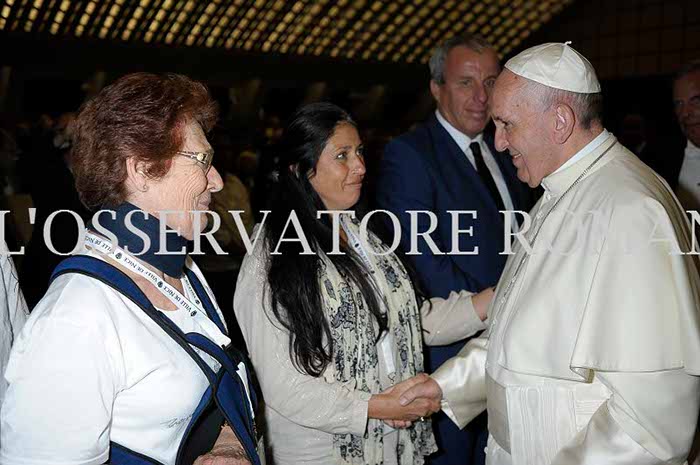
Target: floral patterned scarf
355 361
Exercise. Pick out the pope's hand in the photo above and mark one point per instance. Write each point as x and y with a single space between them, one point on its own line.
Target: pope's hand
386 406
428 389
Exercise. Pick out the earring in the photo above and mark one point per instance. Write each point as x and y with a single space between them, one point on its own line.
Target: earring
144 188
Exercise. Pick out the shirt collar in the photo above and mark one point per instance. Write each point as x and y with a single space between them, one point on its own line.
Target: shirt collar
557 182
128 217
591 146
692 150
462 140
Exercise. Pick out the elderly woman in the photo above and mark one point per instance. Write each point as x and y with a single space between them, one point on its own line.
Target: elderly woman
122 359
330 333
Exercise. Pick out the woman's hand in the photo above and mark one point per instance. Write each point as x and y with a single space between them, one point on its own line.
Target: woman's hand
226 451
481 302
399 424
386 406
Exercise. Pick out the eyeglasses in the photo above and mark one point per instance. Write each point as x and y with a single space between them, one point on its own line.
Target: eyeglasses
203 158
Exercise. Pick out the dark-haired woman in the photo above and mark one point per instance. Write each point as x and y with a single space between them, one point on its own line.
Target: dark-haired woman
336 337
121 359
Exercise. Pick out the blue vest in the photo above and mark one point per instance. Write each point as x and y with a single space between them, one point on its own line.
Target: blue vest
224 399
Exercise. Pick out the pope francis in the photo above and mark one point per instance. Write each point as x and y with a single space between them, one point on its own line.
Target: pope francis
592 354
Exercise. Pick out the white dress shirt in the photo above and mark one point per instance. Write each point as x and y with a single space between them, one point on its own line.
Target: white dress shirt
463 141
688 189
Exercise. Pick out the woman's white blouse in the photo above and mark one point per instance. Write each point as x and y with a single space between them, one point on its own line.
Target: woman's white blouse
91 367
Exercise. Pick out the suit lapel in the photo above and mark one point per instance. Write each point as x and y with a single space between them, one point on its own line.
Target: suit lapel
454 165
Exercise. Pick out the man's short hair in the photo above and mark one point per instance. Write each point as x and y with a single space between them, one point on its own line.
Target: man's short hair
587 107
439 56
688 68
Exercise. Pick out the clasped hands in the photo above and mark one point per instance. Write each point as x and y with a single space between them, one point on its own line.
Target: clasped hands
407 401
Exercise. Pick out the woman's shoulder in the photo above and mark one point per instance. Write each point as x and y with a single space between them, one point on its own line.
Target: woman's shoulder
258 256
77 314
253 276
79 301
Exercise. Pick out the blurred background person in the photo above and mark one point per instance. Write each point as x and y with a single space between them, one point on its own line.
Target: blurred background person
686 102
221 270
52 188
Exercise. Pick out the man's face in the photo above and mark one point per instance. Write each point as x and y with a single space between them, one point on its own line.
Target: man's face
463 98
686 102
521 127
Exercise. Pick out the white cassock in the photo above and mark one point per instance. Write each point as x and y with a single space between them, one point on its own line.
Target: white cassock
593 349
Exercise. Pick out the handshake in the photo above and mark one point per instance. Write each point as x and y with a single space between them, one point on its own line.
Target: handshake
407 401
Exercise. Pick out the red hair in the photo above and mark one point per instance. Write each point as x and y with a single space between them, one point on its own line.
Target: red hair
140 115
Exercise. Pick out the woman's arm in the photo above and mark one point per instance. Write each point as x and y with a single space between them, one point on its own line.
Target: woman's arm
60 373
226 451
459 316
313 402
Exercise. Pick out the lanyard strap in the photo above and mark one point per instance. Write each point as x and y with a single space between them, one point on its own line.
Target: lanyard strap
356 244
194 309
386 341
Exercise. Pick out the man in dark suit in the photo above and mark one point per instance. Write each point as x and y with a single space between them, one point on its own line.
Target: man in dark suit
686 103
448 164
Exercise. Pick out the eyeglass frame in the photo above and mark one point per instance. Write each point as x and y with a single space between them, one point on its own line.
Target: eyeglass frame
203 158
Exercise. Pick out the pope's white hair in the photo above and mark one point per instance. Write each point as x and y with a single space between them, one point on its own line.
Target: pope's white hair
587 107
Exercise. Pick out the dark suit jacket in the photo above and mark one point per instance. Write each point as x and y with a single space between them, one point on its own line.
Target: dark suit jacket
666 159
426 170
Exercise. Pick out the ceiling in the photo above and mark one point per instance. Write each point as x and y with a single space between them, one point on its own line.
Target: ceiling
397 31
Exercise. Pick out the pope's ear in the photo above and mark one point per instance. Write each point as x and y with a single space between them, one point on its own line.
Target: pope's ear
564 122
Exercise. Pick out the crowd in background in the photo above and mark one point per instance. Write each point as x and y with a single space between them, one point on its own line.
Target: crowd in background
35 173
455 160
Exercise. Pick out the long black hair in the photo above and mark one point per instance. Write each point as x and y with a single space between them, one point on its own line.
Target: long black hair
293 278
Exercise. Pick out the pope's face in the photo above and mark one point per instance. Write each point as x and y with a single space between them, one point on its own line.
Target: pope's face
521 128
463 98
686 102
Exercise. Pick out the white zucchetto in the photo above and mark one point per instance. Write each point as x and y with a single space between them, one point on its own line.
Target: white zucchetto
556 65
